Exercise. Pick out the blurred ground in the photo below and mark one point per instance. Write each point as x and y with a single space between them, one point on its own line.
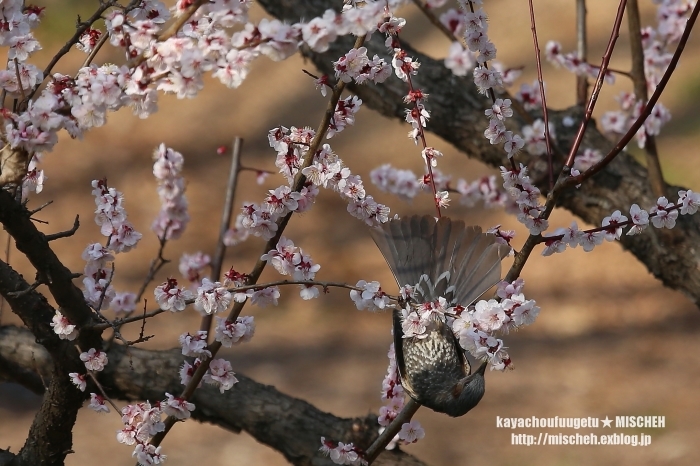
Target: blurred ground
610 340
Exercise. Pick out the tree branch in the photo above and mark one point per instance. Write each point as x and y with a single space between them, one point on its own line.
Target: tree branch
34 244
289 425
458 117
50 437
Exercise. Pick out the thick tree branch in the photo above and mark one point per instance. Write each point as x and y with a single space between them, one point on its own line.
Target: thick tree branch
287 424
35 246
458 117
50 436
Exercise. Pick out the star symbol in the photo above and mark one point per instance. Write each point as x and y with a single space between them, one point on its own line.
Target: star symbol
606 422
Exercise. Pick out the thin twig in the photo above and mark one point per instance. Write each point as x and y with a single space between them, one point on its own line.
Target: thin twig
582 49
40 208
656 176
238 289
102 390
29 289
253 277
428 13
19 80
67 233
391 430
143 318
421 129
93 52
226 212
612 227
156 264
324 285
80 29
597 86
545 113
127 320
172 29
257 170
104 291
564 180
7 261
574 180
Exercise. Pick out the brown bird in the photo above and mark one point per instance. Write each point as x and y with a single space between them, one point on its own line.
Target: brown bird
440 259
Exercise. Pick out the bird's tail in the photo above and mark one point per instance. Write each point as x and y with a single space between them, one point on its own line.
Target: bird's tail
444 258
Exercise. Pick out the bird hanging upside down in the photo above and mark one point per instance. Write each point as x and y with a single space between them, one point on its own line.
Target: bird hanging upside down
443 259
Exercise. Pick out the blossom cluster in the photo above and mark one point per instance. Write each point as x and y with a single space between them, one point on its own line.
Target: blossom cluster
33 181
392 392
258 296
175 65
232 333
63 328
95 360
110 215
663 215
406 185
617 122
484 189
417 317
326 170
195 345
98 403
470 23
220 374
417 115
573 63
141 422
342 453
534 139
476 326
344 114
525 199
192 266
172 298
672 16
173 216
289 259
371 297
357 66
329 171
212 297
585 160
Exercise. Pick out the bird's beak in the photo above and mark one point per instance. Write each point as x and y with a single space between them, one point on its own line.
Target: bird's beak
482 368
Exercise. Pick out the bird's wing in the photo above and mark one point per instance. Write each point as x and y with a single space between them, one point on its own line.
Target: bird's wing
415 246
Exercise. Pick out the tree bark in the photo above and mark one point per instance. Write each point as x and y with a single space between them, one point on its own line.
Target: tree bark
457 116
289 425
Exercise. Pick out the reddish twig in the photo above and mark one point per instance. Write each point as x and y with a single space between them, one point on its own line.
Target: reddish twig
656 176
156 264
647 108
582 49
226 212
545 113
612 227
597 86
391 430
421 130
93 52
428 13
253 277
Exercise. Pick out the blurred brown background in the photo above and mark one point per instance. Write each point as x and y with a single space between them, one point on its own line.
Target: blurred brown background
610 340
